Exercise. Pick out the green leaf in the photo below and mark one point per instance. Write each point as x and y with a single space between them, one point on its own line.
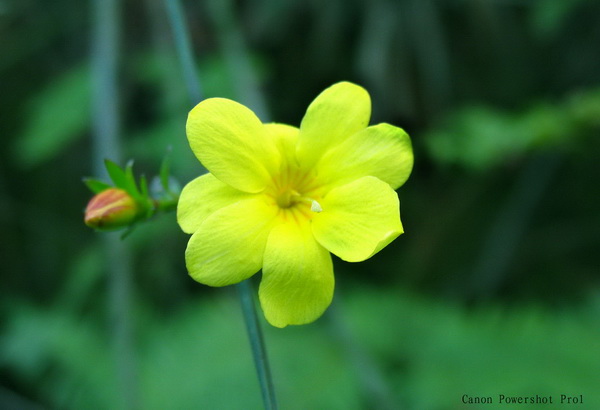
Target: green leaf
56 117
130 180
117 175
147 202
144 186
481 137
95 185
165 170
548 16
122 178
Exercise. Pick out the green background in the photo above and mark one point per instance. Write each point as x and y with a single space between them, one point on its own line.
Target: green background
493 289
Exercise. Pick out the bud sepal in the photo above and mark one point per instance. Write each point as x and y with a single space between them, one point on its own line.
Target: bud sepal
123 204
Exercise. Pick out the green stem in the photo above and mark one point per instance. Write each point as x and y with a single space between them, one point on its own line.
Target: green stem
257 344
183 45
501 245
166 205
105 137
237 57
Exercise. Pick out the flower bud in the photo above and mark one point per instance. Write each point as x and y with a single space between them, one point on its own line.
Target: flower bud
112 208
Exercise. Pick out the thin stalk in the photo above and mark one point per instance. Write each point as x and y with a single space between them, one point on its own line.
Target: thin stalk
105 138
166 205
183 45
257 344
501 245
237 57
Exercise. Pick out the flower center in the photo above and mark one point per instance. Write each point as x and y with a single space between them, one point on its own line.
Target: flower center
291 197
288 198
295 193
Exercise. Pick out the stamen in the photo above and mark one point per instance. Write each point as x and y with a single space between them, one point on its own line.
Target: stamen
316 207
291 197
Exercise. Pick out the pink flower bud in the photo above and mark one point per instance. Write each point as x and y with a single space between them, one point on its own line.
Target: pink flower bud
113 208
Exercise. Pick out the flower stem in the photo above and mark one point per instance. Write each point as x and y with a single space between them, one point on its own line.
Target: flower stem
235 52
504 236
166 204
183 46
105 136
257 344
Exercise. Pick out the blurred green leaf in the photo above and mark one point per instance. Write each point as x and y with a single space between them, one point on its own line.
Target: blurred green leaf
39 339
116 174
443 350
132 187
144 186
584 109
57 116
482 137
477 138
216 79
548 16
95 185
165 172
122 178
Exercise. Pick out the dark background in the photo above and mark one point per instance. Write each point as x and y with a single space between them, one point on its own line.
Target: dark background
493 289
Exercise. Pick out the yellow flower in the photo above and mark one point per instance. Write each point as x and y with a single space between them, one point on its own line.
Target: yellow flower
282 198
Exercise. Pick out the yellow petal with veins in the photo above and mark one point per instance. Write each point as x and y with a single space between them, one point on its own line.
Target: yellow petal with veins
297 283
201 197
336 114
228 247
232 144
382 151
358 219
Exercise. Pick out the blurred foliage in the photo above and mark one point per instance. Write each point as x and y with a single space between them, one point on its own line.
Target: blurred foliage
430 352
483 137
492 290
56 116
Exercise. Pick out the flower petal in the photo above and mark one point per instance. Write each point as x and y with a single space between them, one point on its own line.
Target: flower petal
228 247
285 138
232 144
338 112
358 219
382 151
201 197
297 283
